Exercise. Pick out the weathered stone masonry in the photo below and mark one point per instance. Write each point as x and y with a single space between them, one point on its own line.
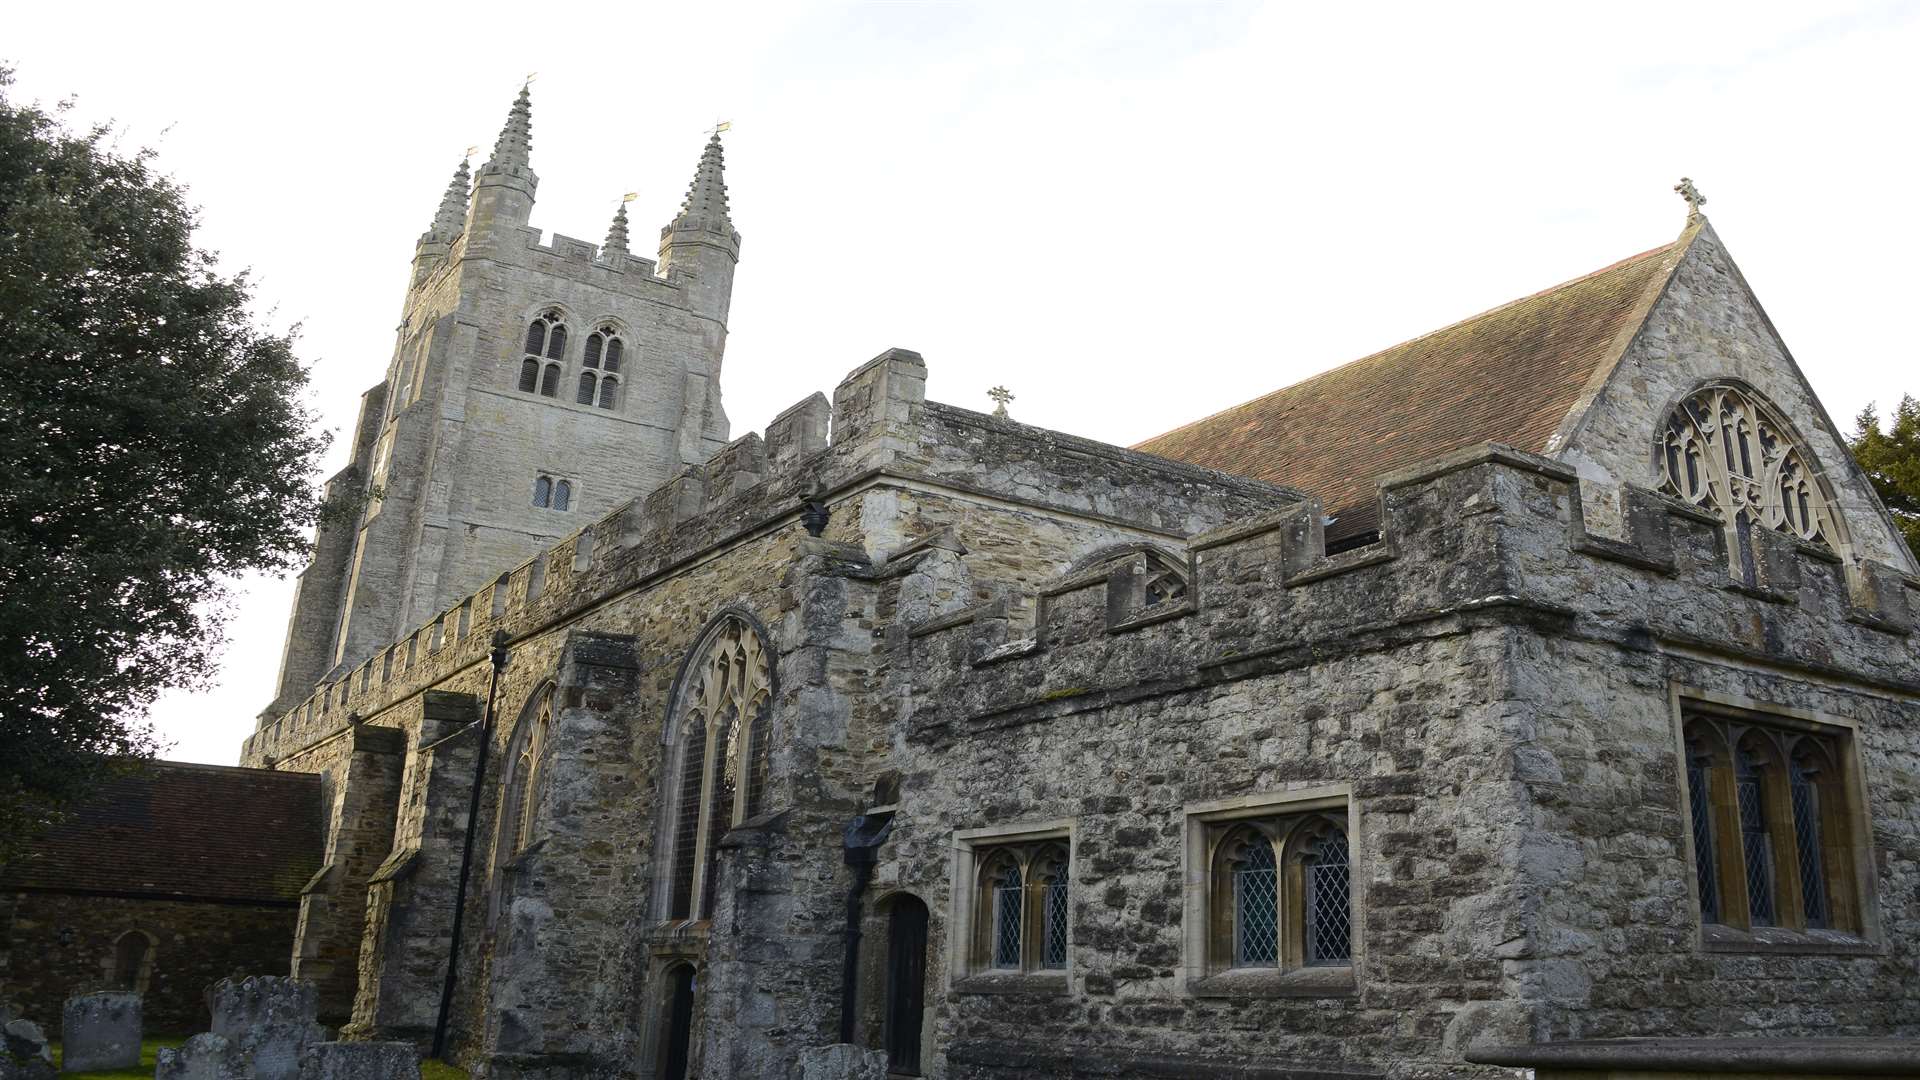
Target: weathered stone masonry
1491 687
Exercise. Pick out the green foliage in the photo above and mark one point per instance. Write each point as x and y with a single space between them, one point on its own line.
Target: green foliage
435 1069
154 441
1891 459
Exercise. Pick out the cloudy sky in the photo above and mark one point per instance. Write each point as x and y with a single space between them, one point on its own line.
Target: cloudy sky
1132 215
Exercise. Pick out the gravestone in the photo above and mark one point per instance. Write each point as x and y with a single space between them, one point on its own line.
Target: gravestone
100 1031
261 1027
24 1054
360 1061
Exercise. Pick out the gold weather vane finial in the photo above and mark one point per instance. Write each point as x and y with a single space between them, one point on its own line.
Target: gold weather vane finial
1001 395
472 150
1695 200
531 75
629 197
720 126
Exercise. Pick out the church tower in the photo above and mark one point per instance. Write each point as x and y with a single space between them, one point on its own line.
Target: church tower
533 388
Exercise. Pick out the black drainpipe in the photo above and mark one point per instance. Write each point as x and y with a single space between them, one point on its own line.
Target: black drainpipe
499 658
860 846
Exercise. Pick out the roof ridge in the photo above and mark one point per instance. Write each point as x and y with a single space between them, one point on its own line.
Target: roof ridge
1549 290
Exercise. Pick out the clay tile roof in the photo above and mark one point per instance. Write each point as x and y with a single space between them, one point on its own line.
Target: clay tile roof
1509 375
172 829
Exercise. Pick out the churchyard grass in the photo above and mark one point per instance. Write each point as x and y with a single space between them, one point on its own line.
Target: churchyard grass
148 1048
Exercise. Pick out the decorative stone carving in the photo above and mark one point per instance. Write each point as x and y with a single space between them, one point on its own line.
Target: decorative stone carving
1727 449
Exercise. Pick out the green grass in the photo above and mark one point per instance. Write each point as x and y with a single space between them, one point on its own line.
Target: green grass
148 1048
431 1069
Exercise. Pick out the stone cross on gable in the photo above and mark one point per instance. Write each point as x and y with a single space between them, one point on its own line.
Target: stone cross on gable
1695 200
1001 395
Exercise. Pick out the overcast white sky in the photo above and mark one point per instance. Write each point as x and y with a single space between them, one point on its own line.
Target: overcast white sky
1132 215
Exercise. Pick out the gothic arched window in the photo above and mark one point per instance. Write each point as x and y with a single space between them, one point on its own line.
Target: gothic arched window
520 789
1022 907
545 347
602 354
1771 834
1280 894
719 754
562 494
543 491
1727 448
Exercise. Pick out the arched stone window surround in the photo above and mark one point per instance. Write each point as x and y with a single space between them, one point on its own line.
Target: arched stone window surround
1293 831
1774 824
130 967
661 1055
1262 893
718 748
1012 911
523 767
1775 480
1167 576
547 331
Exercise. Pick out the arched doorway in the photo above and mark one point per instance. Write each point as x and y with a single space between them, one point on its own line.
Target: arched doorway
132 960
906 999
676 1022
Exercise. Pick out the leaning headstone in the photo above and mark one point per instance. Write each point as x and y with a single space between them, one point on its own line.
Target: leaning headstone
261 1026
203 1057
360 1061
842 1061
24 1053
100 1031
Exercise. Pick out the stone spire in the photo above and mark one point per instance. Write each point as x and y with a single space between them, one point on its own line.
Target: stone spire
452 215
503 190
515 144
616 234
705 206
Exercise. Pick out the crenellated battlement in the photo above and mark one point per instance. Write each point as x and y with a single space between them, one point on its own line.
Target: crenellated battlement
880 431
1488 534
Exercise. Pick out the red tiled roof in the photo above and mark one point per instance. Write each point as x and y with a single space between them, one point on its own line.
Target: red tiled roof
173 829
1509 375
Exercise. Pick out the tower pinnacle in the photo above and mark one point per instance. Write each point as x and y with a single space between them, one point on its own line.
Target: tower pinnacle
515 144
706 203
617 234
452 215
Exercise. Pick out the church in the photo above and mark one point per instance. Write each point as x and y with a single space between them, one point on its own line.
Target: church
1548 678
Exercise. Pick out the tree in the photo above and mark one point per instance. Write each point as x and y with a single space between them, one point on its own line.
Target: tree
1891 459
154 442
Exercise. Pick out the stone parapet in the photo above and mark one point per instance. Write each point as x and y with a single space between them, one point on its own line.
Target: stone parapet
1655 1059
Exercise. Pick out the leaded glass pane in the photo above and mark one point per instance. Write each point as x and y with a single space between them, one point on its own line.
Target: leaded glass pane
550 381
1256 908
591 358
609 386
1754 843
557 343
1806 835
1703 862
1053 946
613 354
529 376
587 387
1329 911
536 336
1006 918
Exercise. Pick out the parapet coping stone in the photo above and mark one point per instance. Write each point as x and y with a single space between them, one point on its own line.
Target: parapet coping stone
1759 1054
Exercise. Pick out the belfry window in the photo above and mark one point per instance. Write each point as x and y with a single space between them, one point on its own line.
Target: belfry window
545 349
1727 448
720 748
1022 903
602 356
1771 835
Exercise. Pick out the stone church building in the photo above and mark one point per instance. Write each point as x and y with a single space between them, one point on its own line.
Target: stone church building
1548 677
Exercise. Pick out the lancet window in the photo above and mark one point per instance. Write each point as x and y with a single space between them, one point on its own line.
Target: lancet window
552 494
1771 834
1022 907
718 763
522 774
1726 448
1279 894
600 377
544 351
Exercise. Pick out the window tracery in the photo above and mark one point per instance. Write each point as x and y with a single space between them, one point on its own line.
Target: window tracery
1769 829
520 787
601 357
1022 907
1726 448
1280 894
544 350
722 746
